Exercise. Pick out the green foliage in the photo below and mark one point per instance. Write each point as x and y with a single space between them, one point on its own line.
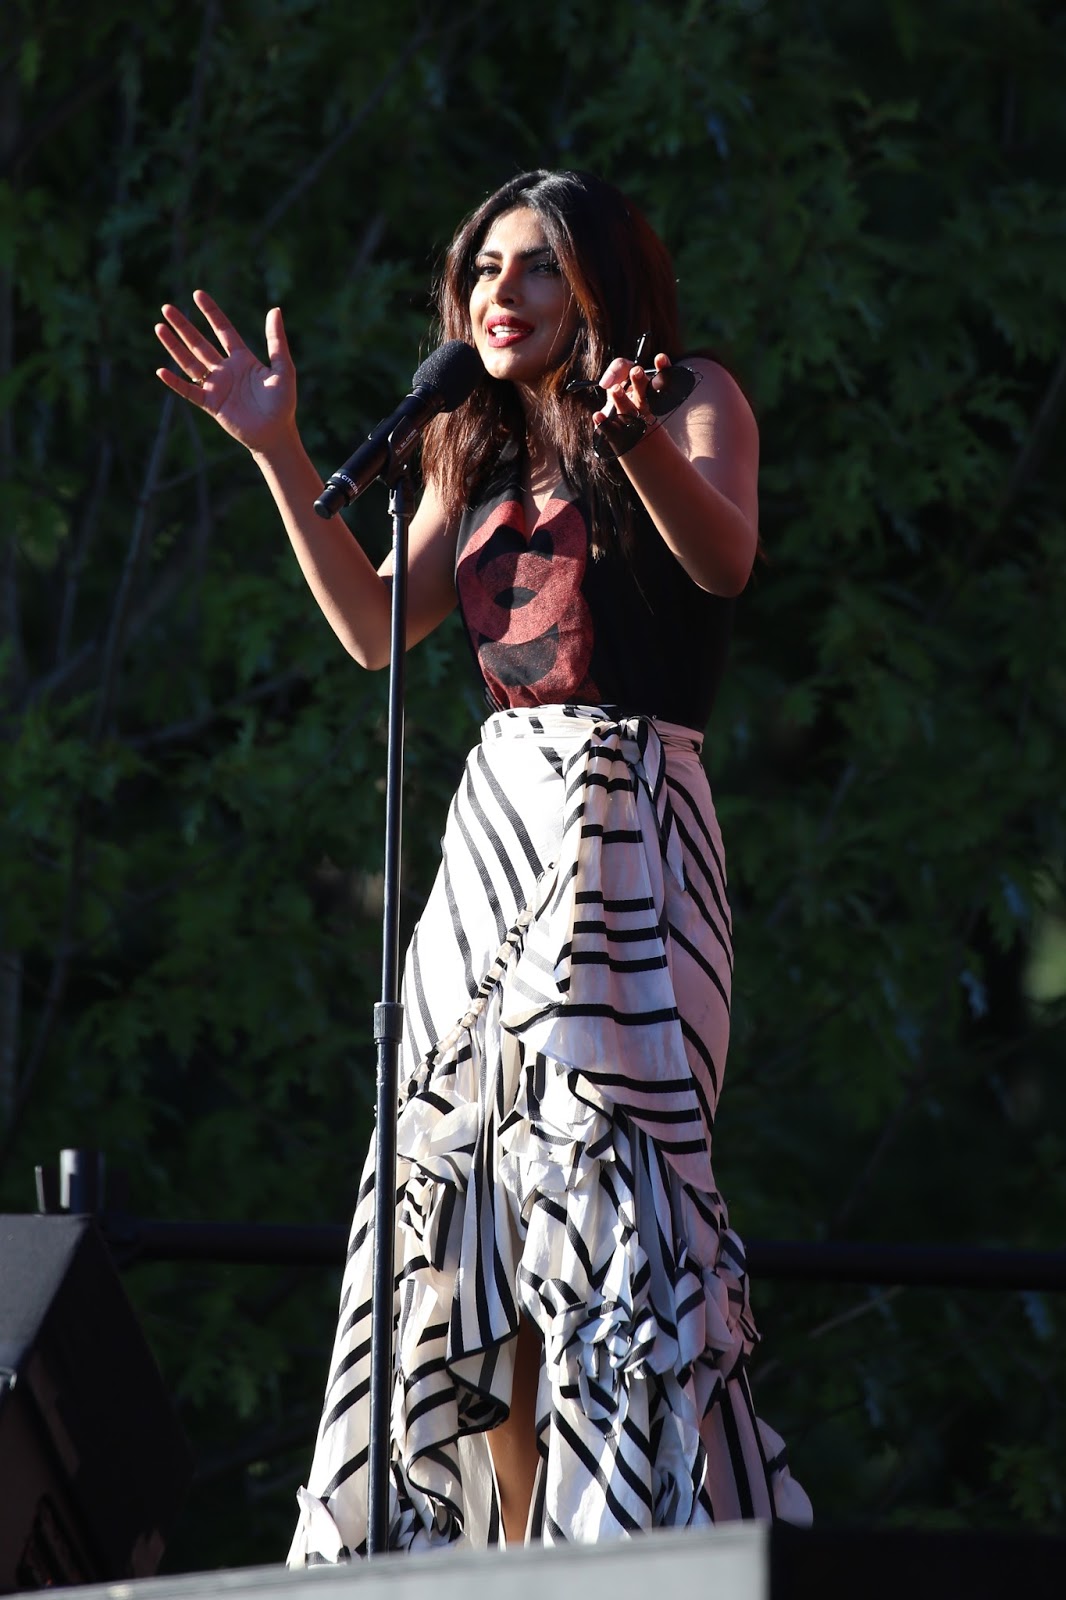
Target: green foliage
866 210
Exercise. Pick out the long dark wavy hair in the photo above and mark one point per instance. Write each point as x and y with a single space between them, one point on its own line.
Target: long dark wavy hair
623 282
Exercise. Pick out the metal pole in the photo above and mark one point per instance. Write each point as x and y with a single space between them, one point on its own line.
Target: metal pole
388 1029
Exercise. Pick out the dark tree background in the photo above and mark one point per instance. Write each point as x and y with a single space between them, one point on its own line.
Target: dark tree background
868 218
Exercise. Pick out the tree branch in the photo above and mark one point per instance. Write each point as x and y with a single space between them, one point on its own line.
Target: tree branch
843 784
105 450
57 984
1025 464
206 863
138 533
89 522
88 88
12 679
10 608
191 145
205 522
1028 457
73 673
315 167
176 732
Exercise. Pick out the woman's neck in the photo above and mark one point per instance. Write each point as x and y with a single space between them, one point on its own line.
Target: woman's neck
541 476
542 455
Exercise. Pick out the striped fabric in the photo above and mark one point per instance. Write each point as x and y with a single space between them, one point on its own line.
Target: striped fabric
566 1021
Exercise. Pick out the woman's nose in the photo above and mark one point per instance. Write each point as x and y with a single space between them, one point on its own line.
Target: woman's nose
508 280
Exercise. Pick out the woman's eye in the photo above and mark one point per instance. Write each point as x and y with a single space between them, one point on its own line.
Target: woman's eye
482 269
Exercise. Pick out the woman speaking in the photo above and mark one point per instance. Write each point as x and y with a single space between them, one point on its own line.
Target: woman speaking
572 1326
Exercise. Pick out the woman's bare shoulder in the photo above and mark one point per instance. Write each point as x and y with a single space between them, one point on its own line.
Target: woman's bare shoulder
717 418
718 387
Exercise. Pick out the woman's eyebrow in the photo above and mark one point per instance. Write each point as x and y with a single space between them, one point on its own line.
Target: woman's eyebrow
523 255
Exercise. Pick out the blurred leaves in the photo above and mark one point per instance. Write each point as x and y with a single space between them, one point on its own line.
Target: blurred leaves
868 221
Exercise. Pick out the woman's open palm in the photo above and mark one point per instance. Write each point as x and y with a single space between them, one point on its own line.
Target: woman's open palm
253 402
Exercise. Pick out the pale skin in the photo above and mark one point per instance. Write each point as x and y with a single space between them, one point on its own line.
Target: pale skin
696 473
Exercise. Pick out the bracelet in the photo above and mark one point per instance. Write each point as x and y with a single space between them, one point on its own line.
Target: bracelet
616 435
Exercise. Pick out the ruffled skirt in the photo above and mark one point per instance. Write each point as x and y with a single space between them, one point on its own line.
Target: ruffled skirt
566 1019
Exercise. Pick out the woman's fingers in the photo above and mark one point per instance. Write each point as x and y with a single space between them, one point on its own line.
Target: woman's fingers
277 341
626 387
186 391
196 344
637 387
627 384
217 372
220 324
179 352
221 376
661 364
616 373
185 343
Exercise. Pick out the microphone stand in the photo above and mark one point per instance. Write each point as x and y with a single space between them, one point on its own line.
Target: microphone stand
388 1030
442 382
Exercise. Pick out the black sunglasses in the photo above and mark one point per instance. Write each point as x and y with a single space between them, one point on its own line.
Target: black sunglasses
668 388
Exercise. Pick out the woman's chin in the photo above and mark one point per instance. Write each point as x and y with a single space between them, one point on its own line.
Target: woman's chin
509 366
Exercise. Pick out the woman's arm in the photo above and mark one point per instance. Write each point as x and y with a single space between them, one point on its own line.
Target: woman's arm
697 472
256 404
355 599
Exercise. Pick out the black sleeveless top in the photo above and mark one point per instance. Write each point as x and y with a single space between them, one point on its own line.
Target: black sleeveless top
547 624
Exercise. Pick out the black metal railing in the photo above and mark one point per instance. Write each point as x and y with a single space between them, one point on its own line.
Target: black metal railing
81 1186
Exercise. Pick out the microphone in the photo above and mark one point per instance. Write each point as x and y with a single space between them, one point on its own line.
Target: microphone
443 381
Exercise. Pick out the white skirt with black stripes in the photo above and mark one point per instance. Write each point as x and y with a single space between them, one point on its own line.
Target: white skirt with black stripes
566 1019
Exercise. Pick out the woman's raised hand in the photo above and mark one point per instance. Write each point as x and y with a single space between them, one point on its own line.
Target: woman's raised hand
253 402
626 384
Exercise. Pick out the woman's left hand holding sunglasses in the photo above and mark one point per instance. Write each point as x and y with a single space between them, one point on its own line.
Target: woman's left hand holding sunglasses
630 410
626 385
631 399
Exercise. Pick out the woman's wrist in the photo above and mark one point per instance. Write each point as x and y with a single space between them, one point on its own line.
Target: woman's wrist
654 447
281 447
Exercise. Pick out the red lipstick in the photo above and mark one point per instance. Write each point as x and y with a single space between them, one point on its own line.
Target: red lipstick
503 331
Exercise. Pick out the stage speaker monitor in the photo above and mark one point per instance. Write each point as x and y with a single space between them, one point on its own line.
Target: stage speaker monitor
93 1462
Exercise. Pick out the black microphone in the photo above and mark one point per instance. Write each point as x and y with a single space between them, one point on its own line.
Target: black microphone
443 381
